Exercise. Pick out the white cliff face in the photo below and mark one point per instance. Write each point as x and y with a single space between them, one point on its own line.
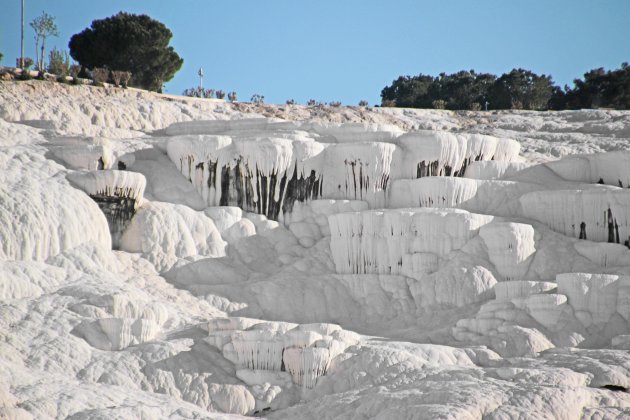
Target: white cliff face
595 298
510 248
164 233
279 354
493 169
264 175
40 214
117 193
79 153
265 167
497 197
111 183
252 247
600 214
357 171
117 333
433 191
611 168
582 309
434 153
375 241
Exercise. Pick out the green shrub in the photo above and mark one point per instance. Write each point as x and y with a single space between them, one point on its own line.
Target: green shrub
121 78
100 76
28 62
363 103
335 104
25 75
439 104
74 70
58 63
198 92
258 99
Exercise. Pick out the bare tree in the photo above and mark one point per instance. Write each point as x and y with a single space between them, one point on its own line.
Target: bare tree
44 26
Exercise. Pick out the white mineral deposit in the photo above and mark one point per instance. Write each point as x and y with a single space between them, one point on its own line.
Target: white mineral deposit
173 258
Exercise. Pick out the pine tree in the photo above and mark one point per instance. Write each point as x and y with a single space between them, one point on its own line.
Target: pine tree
128 42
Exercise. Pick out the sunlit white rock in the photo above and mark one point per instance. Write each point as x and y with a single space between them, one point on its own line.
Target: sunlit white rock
306 364
610 168
118 333
375 241
163 233
597 294
510 247
79 153
494 169
600 214
111 183
440 153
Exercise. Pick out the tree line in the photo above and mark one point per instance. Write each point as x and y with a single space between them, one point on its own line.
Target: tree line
518 89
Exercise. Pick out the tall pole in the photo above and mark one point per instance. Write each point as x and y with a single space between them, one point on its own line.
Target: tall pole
22 39
200 73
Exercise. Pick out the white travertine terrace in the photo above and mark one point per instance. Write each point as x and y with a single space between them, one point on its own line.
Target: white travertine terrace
601 215
248 250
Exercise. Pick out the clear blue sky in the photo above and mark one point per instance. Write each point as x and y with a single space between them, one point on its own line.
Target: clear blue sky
349 50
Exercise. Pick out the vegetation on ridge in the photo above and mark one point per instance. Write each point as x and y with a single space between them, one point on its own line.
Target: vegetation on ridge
132 43
518 89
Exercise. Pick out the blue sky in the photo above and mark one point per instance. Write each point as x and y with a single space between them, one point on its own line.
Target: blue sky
348 50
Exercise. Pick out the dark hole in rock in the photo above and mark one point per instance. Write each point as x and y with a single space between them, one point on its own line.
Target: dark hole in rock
118 211
616 388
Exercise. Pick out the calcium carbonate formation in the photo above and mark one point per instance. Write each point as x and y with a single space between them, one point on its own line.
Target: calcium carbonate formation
431 153
305 351
515 272
596 214
80 153
511 247
612 168
117 193
375 241
575 309
260 175
265 167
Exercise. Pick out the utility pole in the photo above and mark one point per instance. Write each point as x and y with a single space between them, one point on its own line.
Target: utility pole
200 73
22 39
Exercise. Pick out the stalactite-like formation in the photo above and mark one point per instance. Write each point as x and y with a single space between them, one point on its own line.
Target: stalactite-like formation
306 364
305 351
260 175
357 171
258 349
436 153
601 214
265 167
117 193
376 241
